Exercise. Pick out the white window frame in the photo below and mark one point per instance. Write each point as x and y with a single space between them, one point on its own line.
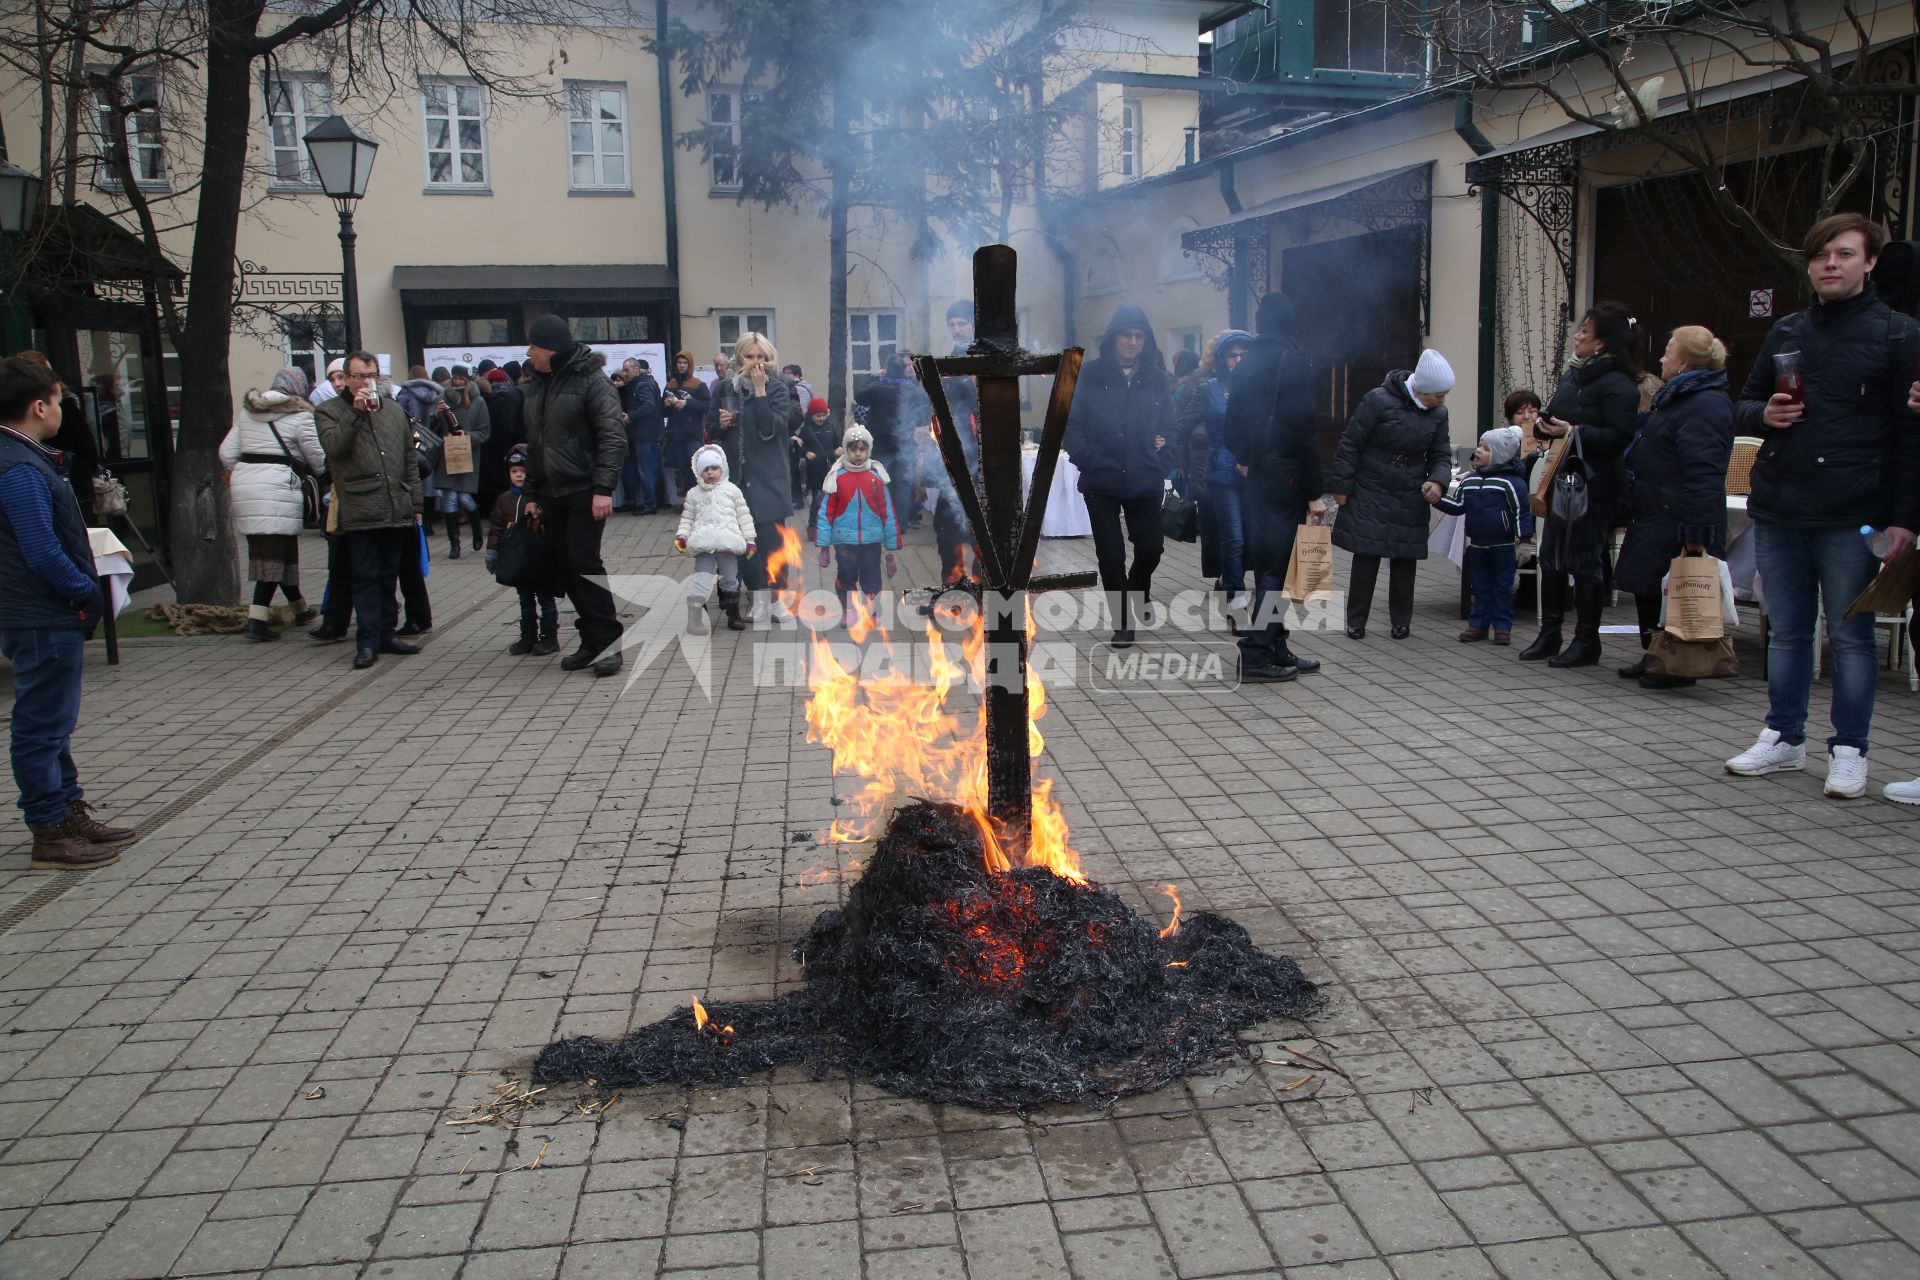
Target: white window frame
429 89
736 101
105 115
318 353
1132 128
299 86
743 318
876 362
588 92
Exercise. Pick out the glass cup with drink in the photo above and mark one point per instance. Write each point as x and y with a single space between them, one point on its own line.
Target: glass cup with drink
1789 376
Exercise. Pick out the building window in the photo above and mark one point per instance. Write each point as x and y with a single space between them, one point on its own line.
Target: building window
605 328
1175 262
456 134
1130 150
723 116
597 137
136 117
294 105
311 341
729 325
872 336
466 331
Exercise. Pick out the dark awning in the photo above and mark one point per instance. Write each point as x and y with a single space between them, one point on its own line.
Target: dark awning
569 283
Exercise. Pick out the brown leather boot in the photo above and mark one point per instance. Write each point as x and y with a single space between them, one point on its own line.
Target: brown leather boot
61 848
80 818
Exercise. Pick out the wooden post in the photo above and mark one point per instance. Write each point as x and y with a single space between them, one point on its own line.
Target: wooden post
1005 527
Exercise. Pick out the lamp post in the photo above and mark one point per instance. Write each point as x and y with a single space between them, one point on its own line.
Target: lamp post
342 161
19 211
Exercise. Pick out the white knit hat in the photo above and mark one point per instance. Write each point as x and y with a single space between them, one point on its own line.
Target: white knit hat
1432 375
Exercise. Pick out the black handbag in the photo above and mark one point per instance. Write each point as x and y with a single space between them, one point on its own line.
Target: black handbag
1571 494
527 559
1179 512
311 513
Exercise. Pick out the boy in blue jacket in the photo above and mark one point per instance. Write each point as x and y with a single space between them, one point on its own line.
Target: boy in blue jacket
1493 499
49 604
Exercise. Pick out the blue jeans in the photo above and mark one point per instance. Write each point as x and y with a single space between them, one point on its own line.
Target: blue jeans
1798 569
640 474
47 663
1231 528
452 502
1492 571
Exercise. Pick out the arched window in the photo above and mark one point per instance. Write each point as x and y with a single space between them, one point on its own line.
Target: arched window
1100 269
1175 262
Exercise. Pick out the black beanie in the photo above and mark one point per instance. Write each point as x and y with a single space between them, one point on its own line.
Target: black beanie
1274 316
550 332
961 310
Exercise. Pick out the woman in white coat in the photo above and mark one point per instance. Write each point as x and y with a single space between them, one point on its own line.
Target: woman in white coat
273 440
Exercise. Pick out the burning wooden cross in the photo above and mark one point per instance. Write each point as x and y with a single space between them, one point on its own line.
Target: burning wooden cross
1006 527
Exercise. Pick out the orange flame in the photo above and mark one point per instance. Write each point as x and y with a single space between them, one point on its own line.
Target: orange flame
784 569
895 732
1174 924
699 1015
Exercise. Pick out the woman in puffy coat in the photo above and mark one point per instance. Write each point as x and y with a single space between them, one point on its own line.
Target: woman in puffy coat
1394 462
1600 395
272 441
1122 437
751 419
459 492
1202 416
1678 465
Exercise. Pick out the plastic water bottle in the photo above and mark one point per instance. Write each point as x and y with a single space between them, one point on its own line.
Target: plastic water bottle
1879 541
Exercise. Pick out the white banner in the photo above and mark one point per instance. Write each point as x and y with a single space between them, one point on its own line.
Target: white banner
654 353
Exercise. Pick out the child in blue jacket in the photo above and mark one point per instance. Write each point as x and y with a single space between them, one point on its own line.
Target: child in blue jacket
1493 499
857 516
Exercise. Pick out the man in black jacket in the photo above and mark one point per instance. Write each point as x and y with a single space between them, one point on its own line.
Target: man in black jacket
640 401
1270 428
576 443
1843 455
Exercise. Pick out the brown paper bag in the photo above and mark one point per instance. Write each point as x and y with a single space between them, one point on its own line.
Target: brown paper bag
1692 659
1542 493
333 511
456 454
1310 567
1693 599
1889 592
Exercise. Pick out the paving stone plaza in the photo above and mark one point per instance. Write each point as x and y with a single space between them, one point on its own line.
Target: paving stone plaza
1594 1007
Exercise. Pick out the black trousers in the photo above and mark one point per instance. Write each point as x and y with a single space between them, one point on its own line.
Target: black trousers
1646 611
375 556
1366 571
571 526
1271 529
1142 517
413 580
339 601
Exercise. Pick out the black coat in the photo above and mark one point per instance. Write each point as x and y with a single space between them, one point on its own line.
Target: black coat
759 444
896 408
1390 448
1679 468
576 432
1270 428
1603 400
640 401
1854 458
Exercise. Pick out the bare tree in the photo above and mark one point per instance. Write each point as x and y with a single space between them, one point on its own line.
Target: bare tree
1645 67
189 71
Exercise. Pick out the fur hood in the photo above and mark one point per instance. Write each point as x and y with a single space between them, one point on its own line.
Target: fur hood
273 404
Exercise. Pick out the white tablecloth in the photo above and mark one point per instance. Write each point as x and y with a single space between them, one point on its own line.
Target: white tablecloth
114 563
1066 510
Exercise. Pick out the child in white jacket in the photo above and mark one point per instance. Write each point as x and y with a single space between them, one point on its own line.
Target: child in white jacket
717 527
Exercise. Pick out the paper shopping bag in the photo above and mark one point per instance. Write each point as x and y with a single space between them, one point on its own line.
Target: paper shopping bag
1693 599
457 452
1310 567
1541 496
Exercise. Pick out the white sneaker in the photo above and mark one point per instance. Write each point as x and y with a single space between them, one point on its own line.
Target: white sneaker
759 611
780 611
1903 792
1240 601
1768 755
1846 773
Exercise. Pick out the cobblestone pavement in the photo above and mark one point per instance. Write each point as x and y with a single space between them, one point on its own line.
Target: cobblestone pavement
1596 1008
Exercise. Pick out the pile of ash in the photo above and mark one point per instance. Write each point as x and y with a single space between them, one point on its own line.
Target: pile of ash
944 981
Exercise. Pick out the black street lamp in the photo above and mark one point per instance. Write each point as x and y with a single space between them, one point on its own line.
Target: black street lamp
342 161
19 198
19 211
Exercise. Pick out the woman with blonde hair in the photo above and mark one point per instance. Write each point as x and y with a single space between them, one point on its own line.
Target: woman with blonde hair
753 418
1201 412
1677 469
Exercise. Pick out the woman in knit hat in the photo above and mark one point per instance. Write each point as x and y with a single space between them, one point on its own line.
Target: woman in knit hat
1394 462
273 441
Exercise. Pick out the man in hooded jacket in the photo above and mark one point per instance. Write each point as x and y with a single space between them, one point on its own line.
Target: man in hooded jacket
1120 434
1270 430
576 444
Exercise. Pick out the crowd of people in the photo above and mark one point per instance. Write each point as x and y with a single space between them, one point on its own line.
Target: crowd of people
560 443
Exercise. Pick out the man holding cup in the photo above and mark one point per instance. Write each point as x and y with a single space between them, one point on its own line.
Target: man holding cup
1833 397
